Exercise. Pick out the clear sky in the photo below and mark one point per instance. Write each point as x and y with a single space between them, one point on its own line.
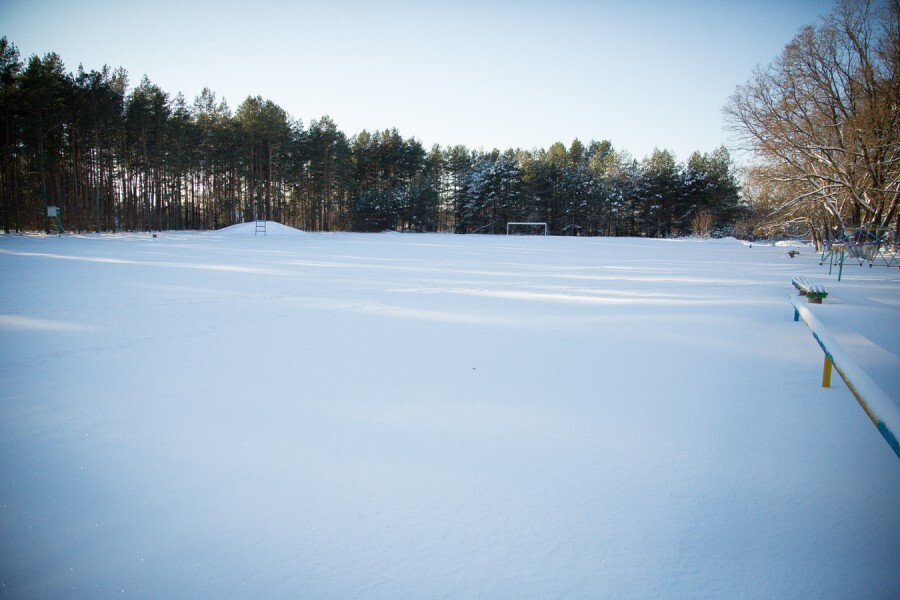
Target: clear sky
504 74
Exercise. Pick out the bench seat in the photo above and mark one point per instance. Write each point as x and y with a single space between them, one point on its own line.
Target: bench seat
814 293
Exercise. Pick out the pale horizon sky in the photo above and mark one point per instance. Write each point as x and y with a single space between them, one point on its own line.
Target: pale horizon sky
492 74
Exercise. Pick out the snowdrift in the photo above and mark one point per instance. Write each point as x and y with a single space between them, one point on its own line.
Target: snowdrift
249 229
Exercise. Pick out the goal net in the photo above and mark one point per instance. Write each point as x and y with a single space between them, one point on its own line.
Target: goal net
522 228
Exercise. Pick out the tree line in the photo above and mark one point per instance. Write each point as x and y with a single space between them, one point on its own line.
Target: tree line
115 157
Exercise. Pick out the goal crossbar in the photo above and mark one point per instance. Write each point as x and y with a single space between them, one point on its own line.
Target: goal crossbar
512 224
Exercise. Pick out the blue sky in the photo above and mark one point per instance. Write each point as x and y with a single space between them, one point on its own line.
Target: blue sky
483 74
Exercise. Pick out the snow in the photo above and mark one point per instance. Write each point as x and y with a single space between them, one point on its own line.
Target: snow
249 229
883 411
381 416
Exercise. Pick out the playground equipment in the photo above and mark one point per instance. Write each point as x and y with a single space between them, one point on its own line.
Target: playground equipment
867 243
260 228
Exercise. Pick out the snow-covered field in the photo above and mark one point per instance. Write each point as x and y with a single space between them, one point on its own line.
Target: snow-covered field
419 416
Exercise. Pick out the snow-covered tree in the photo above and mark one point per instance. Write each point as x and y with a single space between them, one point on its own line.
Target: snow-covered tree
824 118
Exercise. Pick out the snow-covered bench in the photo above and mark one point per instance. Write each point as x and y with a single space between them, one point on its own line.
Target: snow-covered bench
813 292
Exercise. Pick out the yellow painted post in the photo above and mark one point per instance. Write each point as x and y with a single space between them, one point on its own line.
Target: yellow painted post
826 372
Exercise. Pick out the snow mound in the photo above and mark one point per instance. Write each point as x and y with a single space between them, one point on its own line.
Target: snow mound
791 243
245 229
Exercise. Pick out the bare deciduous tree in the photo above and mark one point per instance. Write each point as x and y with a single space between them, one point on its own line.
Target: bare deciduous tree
824 118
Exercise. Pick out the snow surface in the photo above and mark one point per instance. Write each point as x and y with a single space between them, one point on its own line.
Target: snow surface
247 229
386 416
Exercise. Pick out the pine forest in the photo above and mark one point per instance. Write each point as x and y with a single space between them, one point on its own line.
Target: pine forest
117 157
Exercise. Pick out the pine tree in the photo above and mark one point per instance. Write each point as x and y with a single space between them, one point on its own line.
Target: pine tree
10 99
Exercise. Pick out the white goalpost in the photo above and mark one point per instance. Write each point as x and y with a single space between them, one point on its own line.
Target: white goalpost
526 228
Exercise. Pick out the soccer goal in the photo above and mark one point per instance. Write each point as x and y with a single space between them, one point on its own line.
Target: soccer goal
522 228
